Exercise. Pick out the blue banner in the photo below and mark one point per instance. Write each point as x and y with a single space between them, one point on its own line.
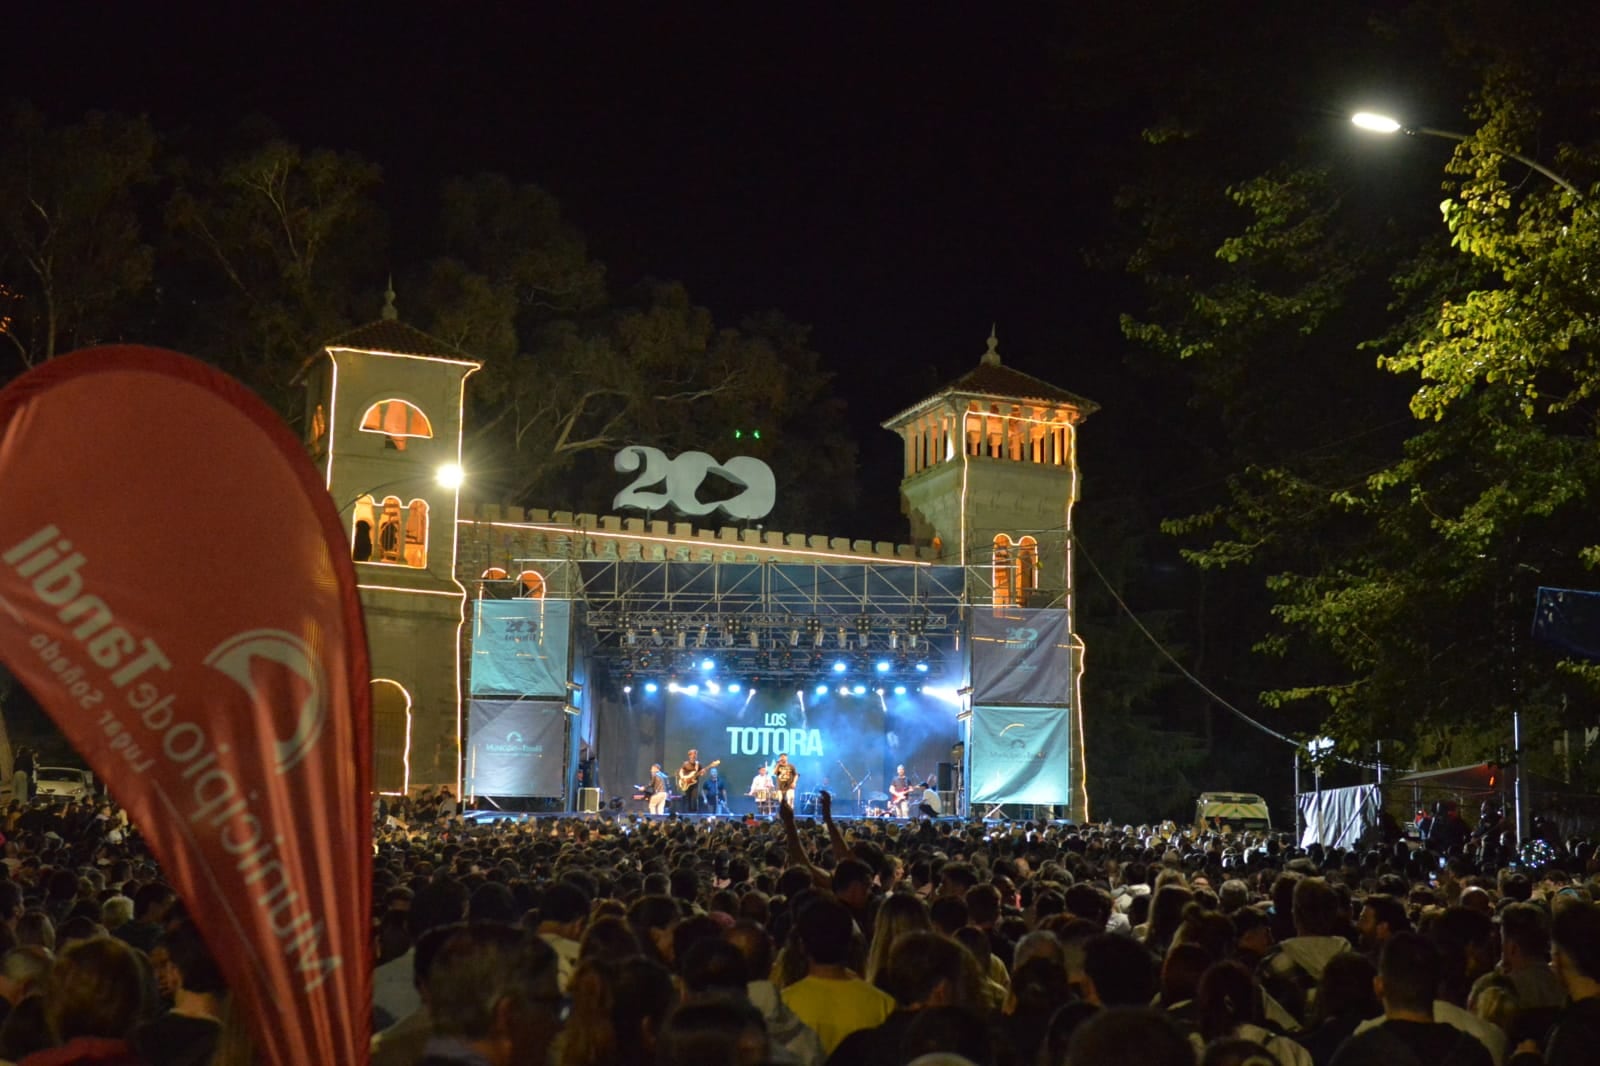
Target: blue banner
519 647
1021 755
1021 656
1569 619
515 747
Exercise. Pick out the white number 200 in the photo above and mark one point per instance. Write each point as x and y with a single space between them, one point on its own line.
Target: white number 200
682 478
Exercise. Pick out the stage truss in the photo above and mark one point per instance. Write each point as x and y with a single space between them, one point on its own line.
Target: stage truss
774 620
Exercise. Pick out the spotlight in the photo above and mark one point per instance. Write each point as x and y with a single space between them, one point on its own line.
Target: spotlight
713 688
840 666
880 692
894 638
683 638
922 668
734 687
844 637
705 634
651 687
860 690
693 690
794 638
708 665
899 690
672 686
844 690
883 666
627 690
822 690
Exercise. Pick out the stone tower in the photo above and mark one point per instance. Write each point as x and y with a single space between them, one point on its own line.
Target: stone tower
991 475
383 417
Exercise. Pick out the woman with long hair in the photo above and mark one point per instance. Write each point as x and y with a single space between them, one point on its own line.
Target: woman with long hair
617 1011
1229 1006
900 913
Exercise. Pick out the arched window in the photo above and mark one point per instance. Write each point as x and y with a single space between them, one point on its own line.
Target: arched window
389 533
1005 587
391 737
1027 568
397 420
532 585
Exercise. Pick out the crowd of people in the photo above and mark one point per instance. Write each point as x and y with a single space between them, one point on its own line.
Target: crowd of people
604 940
1013 944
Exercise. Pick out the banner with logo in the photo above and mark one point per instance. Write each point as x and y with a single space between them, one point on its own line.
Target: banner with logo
519 647
1569 619
177 593
1021 656
1021 755
515 747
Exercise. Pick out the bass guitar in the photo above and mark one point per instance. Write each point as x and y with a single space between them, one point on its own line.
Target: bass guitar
687 781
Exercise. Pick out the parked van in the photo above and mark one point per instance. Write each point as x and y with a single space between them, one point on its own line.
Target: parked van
64 783
1239 811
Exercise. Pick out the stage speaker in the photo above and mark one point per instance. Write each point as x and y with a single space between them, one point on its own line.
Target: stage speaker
947 800
947 776
589 800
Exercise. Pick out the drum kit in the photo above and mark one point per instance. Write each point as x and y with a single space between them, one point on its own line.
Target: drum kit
766 801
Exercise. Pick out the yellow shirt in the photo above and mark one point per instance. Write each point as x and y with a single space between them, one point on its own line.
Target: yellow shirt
835 1008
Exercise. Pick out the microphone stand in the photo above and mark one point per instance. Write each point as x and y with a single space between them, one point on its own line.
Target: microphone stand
855 786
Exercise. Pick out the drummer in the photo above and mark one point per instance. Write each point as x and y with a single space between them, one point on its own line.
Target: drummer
762 788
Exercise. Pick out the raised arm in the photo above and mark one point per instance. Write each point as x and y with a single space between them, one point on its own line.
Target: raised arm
797 850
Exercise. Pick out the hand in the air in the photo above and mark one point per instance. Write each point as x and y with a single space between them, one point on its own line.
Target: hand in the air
825 799
785 812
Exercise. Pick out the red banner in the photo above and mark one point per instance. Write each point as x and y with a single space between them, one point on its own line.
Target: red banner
176 591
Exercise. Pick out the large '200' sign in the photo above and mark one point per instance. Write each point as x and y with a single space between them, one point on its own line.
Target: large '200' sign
683 477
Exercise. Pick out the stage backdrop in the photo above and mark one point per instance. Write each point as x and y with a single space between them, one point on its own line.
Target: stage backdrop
831 739
519 647
1021 755
1021 656
515 747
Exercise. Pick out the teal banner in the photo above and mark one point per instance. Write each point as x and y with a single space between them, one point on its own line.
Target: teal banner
1021 755
519 647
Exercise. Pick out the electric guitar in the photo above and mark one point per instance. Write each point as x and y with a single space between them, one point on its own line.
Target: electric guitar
898 794
689 780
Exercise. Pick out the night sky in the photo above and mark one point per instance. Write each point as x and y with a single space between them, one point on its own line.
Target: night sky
898 177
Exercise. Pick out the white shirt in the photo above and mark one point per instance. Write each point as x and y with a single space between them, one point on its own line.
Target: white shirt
762 783
1488 1034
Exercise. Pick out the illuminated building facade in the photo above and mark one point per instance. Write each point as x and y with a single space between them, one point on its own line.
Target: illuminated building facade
990 481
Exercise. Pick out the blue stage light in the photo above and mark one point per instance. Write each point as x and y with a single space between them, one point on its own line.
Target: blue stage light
860 690
883 666
693 690
922 668
844 690
822 690
840 666
708 665
733 686
713 688
627 690
899 690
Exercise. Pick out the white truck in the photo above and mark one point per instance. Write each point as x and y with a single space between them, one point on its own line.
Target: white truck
1237 811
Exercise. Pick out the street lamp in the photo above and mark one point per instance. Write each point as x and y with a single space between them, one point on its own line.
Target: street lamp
1373 122
446 476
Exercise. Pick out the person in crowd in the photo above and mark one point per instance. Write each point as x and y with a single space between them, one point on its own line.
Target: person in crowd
97 992
899 914
187 1034
1409 974
1346 997
441 902
1382 916
618 1007
831 999
563 912
493 997
725 1030
1117 972
1525 963
1575 957
1290 972
22 974
1124 1035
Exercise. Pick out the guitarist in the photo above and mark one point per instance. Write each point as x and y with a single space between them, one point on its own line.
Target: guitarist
900 793
689 784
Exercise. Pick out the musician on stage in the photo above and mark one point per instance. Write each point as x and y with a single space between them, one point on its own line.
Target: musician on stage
689 783
660 787
784 775
900 793
714 792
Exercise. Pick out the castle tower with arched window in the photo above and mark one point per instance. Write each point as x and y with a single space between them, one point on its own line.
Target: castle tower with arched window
991 476
384 421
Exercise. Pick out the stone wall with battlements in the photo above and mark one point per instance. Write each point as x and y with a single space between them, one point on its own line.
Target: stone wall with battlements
489 535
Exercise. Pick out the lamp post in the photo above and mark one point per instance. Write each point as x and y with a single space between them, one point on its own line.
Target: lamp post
1376 123
446 476
1373 122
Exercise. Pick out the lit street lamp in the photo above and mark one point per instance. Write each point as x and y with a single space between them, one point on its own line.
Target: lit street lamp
1376 123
